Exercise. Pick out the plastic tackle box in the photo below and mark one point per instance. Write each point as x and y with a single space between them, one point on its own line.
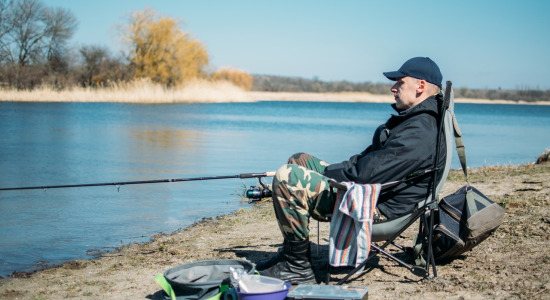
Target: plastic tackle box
322 292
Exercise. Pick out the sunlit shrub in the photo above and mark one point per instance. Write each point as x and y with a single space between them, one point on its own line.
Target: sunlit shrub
240 78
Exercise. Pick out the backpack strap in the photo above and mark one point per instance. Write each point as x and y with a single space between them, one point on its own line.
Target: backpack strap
460 148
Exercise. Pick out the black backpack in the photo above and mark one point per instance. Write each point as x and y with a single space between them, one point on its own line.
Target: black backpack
463 220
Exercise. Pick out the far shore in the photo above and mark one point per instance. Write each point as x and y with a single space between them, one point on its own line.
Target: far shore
362 97
201 92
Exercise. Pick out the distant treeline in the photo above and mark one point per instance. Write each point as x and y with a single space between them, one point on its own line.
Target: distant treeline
295 84
269 83
35 52
513 95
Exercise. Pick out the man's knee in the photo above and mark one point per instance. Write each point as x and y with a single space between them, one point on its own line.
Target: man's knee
282 175
299 158
292 186
280 185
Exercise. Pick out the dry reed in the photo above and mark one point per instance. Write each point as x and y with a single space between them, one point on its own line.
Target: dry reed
138 91
544 157
206 91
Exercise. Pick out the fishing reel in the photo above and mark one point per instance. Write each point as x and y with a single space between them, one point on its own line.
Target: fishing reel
257 193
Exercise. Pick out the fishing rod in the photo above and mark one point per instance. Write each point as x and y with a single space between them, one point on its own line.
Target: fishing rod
254 193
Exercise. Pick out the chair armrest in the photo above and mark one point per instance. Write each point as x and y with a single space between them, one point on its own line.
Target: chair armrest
333 183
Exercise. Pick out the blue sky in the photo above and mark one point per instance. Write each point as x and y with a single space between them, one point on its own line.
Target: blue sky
478 44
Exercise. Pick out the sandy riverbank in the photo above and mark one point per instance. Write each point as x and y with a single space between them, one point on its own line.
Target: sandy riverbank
513 263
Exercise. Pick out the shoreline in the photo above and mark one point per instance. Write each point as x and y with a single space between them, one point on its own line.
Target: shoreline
214 93
252 234
366 98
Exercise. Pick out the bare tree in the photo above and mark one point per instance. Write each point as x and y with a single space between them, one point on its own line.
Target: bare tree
4 24
27 30
93 57
60 25
33 41
101 68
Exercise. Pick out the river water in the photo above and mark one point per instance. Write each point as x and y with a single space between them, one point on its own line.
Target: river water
71 143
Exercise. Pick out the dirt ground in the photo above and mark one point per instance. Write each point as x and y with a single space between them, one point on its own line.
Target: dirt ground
513 263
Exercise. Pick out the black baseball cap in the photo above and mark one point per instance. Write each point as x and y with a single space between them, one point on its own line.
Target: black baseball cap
420 68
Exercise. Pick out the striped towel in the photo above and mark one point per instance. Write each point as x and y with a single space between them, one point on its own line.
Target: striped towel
351 224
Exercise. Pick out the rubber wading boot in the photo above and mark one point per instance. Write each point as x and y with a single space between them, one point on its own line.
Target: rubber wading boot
294 266
268 263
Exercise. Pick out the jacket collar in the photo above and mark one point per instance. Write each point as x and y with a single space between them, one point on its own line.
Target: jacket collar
430 105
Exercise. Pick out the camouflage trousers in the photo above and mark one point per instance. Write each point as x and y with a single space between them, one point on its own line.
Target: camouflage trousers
300 191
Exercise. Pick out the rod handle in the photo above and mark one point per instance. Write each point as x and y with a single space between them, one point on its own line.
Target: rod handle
255 175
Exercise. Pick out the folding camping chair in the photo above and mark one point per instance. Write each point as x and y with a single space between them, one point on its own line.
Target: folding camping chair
388 231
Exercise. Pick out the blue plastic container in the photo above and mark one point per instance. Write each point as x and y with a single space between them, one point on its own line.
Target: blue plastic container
277 295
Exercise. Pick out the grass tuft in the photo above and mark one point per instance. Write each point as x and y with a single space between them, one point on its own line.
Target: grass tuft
544 157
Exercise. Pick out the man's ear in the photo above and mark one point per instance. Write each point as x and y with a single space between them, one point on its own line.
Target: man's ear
422 85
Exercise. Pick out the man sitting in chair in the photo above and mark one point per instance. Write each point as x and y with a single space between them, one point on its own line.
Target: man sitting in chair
403 146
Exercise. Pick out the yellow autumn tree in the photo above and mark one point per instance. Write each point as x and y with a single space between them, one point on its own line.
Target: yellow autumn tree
239 78
159 50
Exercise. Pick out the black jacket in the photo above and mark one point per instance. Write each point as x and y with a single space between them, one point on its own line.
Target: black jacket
403 146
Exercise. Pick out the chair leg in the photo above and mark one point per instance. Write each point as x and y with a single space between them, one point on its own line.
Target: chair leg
318 239
360 266
431 258
402 263
402 248
421 272
327 279
427 224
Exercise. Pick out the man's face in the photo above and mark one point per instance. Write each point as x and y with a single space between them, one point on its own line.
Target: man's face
405 92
